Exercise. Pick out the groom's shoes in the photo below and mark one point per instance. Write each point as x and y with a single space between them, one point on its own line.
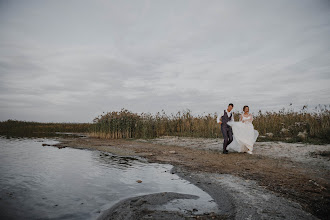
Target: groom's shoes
225 152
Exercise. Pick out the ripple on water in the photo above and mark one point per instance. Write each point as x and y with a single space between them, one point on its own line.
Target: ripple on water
46 182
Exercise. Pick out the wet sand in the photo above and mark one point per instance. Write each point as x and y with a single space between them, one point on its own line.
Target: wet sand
279 181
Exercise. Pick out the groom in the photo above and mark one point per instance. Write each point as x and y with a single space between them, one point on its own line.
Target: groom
226 130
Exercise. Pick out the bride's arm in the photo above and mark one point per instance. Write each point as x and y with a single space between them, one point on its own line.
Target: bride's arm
250 119
240 117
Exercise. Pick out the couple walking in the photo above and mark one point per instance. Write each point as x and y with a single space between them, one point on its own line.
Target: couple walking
238 136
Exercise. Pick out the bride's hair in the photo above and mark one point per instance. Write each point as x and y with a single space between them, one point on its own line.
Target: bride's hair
245 107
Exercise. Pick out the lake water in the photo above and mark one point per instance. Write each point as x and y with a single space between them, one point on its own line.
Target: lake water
44 182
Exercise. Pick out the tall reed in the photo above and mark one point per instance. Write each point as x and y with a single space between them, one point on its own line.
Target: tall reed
29 128
285 124
125 124
288 125
297 125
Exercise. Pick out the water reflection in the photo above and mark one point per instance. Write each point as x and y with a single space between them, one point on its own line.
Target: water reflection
119 162
39 182
38 135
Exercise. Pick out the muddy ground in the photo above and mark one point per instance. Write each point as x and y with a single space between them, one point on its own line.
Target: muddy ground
293 174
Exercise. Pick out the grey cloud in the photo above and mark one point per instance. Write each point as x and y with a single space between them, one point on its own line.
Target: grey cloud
72 60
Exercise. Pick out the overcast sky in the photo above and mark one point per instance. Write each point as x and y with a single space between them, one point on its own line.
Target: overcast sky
69 61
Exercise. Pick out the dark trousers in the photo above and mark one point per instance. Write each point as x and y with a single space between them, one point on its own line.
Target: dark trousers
227 134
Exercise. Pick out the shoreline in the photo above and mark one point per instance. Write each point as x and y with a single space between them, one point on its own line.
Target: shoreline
270 181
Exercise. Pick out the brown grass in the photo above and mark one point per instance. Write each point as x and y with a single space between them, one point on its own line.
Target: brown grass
283 125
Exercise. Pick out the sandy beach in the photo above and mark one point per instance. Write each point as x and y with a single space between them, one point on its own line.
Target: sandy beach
279 181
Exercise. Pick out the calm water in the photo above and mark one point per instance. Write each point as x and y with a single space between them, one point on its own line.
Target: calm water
39 182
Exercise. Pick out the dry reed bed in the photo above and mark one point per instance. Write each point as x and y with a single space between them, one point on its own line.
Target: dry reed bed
26 128
287 125
283 125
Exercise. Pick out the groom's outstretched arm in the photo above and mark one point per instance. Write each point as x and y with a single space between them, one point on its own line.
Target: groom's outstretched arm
219 119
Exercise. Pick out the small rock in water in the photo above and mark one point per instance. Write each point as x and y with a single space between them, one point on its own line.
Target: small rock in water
139 181
60 147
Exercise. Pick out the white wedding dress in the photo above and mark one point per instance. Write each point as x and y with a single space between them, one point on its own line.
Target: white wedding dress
244 135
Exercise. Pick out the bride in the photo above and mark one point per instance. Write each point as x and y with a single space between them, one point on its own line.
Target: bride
244 135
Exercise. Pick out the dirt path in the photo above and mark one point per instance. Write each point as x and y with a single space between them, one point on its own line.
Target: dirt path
302 177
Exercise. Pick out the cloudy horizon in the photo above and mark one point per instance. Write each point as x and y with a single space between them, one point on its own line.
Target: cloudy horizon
69 61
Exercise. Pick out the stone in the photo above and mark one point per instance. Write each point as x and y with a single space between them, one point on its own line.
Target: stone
285 131
269 134
302 135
